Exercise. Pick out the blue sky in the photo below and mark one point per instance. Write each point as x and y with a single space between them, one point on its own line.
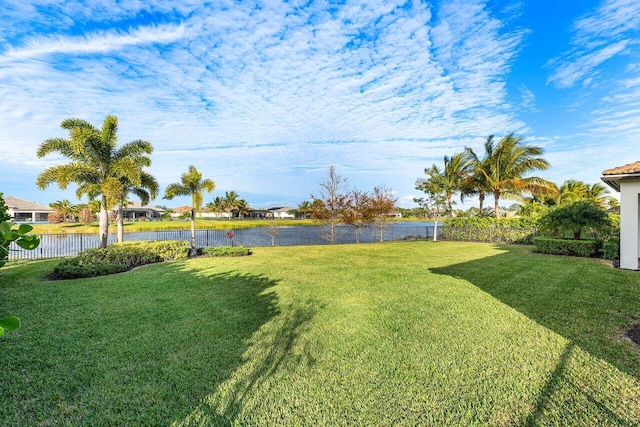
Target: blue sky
263 97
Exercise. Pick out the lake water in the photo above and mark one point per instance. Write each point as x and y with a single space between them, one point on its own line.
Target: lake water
59 245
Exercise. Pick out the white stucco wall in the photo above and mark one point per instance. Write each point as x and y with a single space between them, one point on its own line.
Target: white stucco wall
629 223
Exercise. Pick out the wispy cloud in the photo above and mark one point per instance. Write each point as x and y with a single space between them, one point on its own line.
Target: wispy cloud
100 42
251 94
609 30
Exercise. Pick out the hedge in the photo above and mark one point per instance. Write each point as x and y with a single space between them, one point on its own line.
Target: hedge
582 248
611 248
224 251
490 229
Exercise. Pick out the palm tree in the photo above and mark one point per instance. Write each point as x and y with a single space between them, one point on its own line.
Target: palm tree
242 207
146 191
456 170
599 194
572 191
97 165
65 208
507 164
475 182
191 184
231 199
304 208
217 206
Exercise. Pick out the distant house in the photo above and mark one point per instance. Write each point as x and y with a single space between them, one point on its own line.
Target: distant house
179 212
22 210
136 211
280 212
258 213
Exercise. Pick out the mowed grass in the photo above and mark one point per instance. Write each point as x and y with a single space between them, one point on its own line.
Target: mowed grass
417 333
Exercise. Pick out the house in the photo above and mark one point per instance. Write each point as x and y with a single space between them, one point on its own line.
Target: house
136 211
22 210
182 211
626 180
280 212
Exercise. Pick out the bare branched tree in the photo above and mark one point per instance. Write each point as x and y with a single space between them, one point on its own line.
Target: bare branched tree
331 204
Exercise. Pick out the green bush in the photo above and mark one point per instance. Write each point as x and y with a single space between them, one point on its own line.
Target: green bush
120 257
136 253
224 251
576 218
490 229
611 248
582 248
72 269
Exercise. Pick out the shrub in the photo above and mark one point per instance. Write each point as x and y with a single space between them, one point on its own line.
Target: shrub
224 251
611 248
136 253
582 248
55 217
489 229
86 216
72 269
575 218
120 257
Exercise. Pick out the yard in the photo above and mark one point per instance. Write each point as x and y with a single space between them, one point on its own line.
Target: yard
417 333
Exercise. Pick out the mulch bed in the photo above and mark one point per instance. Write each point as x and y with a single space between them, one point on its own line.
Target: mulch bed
633 333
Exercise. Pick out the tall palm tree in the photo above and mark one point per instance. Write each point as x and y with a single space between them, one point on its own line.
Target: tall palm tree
146 191
455 172
97 164
507 164
475 182
191 184
231 199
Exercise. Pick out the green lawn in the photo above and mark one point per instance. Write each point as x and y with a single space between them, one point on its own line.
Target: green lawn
416 333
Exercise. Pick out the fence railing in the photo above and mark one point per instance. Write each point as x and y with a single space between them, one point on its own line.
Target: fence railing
63 245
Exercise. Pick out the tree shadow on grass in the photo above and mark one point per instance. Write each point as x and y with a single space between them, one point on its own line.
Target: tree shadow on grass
271 348
583 302
143 348
579 299
218 315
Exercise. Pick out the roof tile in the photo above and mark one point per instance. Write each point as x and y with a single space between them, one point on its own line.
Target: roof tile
628 169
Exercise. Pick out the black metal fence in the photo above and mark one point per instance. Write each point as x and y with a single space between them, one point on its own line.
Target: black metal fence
62 245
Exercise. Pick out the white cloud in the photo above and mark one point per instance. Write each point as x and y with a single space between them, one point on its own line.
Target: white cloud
608 31
101 42
265 99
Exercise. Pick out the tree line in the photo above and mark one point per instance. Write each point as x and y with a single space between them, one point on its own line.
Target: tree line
108 174
502 171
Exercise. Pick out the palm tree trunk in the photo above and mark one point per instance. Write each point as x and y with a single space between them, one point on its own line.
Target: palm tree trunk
481 199
435 228
496 197
193 232
120 222
104 223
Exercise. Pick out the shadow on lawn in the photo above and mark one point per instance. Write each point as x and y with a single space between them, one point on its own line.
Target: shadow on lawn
578 299
276 345
568 296
211 318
